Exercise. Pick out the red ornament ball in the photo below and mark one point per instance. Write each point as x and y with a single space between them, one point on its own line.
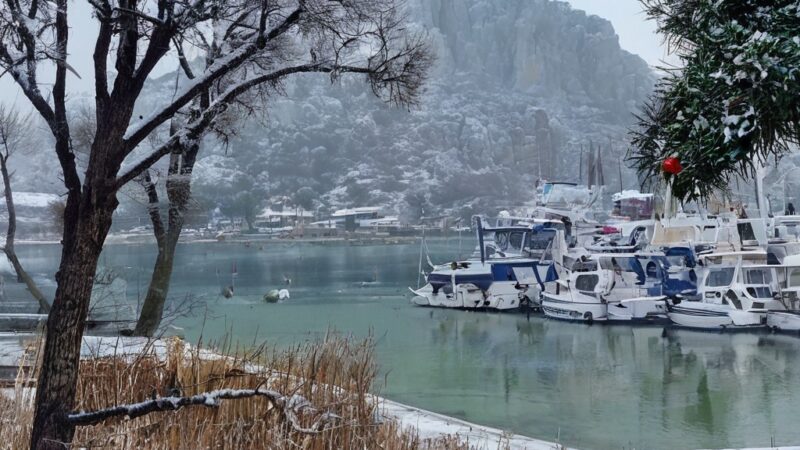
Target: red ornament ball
672 165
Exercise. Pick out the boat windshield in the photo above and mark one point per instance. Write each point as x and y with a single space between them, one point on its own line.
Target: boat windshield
759 292
757 276
787 228
509 240
677 260
620 264
559 194
720 277
586 282
746 232
541 240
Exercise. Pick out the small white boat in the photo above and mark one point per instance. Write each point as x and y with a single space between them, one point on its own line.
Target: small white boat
788 321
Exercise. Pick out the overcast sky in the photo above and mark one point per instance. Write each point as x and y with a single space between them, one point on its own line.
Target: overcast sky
636 34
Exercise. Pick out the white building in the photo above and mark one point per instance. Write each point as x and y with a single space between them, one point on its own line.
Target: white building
288 218
352 218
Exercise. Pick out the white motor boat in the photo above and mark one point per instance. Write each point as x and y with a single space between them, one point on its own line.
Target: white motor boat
784 238
788 275
609 287
736 290
470 285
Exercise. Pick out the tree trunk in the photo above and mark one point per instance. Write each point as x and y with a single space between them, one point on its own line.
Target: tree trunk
87 220
178 192
153 307
55 390
22 275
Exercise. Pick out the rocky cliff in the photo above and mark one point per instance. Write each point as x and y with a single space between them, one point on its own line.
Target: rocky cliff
519 88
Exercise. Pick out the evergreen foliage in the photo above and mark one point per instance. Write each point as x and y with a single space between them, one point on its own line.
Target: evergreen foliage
735 100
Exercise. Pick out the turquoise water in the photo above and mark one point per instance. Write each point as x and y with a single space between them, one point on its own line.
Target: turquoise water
593 387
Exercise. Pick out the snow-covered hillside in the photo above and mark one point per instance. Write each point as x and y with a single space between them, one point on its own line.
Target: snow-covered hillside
519 87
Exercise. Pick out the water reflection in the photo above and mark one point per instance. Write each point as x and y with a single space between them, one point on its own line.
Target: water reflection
594 386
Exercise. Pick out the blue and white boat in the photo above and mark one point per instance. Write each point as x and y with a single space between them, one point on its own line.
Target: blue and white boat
612 287
512 265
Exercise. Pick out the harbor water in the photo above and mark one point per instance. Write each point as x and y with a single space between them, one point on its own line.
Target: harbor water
592 387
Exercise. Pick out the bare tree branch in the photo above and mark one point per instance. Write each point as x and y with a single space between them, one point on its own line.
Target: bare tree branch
221 68
291 407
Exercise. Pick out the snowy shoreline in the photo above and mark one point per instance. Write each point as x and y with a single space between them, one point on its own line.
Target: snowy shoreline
428 424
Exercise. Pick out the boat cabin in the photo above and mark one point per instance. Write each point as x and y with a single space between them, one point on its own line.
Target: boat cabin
738 279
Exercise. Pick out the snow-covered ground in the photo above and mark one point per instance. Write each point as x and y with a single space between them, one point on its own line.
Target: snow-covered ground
431 425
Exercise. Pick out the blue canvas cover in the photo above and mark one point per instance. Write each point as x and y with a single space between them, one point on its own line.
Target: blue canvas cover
687 253
636 267
673 287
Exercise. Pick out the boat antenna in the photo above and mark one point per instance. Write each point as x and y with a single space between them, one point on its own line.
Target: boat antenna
591 171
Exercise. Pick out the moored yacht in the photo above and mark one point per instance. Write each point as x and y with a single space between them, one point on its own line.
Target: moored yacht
736 290
513 262
788 275
609 287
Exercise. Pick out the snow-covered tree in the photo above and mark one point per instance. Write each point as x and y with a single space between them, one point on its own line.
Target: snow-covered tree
261 42
734 100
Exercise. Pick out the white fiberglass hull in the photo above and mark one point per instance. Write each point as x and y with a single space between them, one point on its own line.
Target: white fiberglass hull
784 320
638 309
501 296
709 316
575 307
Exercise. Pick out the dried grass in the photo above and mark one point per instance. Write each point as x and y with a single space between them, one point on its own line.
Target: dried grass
334 374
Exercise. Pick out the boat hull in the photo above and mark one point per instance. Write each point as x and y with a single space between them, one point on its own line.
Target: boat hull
784 320
705 316
642 309
567 307
500 296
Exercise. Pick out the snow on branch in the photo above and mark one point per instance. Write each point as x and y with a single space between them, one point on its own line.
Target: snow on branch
196 128
223 66
291 407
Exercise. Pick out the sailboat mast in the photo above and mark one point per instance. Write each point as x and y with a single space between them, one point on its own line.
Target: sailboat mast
763 207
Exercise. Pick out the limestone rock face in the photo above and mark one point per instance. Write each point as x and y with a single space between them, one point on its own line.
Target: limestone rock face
519 90
541 47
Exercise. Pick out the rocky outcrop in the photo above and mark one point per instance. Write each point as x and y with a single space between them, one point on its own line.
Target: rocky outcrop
541 47
519 87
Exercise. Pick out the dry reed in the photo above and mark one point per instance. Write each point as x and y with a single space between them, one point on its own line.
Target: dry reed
334 375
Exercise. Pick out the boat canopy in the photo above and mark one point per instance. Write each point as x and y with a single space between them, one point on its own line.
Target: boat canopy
664 236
